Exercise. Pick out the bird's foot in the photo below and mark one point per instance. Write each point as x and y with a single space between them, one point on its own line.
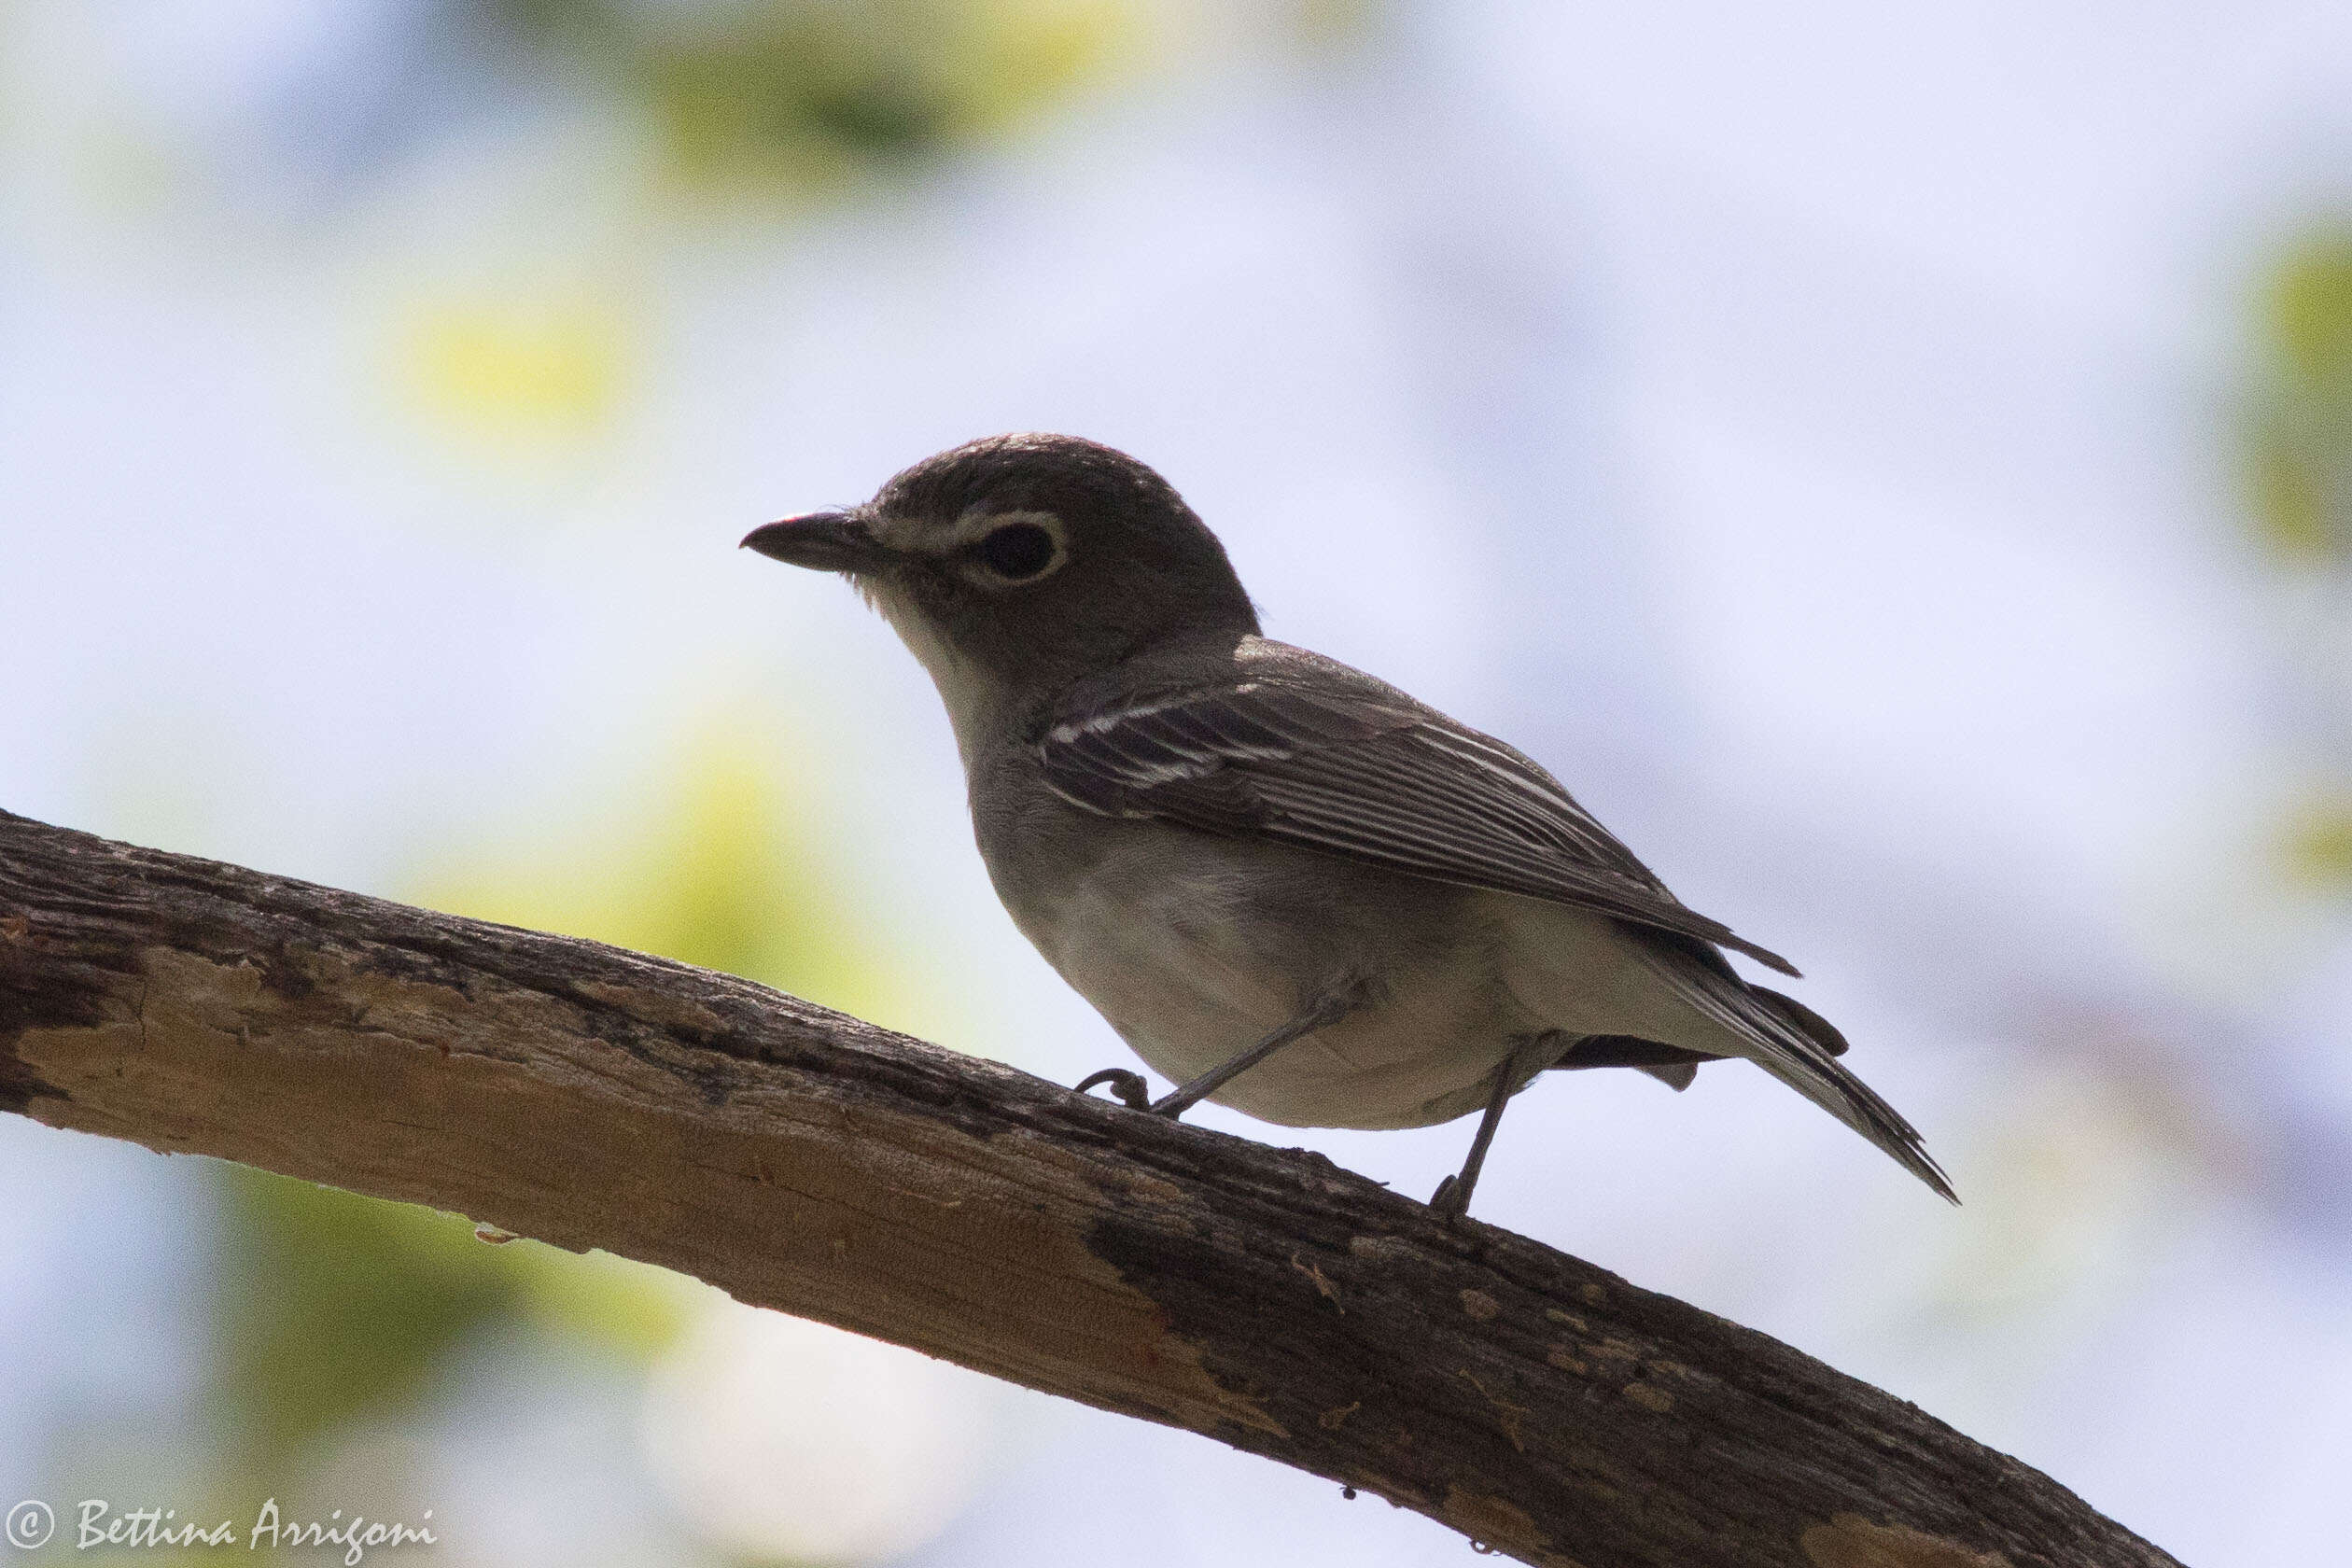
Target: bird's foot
1451 1200
1126 1087
1174 1104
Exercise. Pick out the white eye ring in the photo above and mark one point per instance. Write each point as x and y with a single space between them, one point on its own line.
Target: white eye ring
999 549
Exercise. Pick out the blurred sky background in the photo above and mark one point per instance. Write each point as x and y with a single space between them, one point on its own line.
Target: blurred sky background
1893 463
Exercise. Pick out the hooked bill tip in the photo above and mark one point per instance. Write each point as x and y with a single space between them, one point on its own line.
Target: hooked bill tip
823 541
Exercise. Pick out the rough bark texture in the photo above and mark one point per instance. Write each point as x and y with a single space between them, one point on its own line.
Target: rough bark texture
803 1160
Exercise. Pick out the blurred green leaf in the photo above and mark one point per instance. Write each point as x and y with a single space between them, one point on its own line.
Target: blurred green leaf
2297 446
810 92
2288 491
2317 842
2307 311
333 1307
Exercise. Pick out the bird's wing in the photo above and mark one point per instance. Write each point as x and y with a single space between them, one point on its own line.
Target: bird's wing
1370 777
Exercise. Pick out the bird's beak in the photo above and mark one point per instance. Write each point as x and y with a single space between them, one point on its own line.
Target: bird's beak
821 540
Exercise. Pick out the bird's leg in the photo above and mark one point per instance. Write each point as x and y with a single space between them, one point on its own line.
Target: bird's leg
1452 1197
1128 1088
1329 1010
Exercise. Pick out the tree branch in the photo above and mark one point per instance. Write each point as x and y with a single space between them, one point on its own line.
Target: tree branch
803 1160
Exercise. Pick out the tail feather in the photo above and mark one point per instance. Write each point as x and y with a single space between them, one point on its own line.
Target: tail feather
1797 1046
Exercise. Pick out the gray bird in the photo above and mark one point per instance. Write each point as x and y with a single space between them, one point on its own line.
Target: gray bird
1289 887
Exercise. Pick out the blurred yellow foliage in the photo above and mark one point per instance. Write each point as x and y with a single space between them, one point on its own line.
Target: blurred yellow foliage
806 92
2298 448
777 102
2298 456
2317 841
517 372
2308 311
700 862
806 96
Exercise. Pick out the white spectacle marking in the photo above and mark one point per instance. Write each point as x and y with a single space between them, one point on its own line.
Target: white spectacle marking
973 526
922 536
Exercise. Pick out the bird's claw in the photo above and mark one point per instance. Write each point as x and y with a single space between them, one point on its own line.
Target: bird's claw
1449 1199
1126 1087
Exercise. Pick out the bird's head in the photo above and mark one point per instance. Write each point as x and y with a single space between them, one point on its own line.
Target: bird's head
1017 565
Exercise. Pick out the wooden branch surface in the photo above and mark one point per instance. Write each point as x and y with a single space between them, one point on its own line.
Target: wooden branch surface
803 1160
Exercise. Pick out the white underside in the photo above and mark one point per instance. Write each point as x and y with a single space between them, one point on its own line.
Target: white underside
1170 961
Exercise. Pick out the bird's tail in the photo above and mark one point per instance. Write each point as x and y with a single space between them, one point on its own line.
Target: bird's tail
1797 1046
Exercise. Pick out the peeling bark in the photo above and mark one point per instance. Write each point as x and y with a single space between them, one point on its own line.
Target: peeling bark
803 1160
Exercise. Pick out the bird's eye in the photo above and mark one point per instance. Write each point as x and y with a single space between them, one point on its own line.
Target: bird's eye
1017 551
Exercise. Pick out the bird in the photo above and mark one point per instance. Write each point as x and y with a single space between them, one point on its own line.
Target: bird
1290 888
